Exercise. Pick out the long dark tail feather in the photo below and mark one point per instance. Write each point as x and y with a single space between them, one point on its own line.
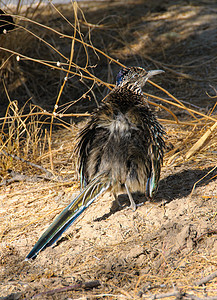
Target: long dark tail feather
67 217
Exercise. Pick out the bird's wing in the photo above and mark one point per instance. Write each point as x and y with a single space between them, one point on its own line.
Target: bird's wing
95 188
156 149
85 139
90 145
154 176
156 154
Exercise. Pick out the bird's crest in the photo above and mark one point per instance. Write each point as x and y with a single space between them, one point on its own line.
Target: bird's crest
134 78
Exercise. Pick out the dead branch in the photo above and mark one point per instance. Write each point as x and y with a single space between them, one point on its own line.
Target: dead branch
193 297
48 173
176 294
206 279
78 286
212 231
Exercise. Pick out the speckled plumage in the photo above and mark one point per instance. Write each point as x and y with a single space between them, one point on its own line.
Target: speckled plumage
120 149
123 138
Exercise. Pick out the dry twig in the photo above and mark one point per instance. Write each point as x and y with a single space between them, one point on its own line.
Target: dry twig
47 172
78 286
206 279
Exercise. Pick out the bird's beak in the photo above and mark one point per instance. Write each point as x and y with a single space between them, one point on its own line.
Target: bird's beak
154 72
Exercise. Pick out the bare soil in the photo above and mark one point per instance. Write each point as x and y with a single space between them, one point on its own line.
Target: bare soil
166 245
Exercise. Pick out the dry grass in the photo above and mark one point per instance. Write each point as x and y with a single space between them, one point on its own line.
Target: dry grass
36 59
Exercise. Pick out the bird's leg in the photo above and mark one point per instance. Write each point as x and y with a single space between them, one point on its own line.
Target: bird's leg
116 199
132 203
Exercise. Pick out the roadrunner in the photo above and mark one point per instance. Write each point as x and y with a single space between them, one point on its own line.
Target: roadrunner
119 150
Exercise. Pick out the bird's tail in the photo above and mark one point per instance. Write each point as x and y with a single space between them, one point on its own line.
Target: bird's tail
95 188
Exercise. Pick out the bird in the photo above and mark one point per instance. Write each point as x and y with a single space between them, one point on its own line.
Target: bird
6 22
120 149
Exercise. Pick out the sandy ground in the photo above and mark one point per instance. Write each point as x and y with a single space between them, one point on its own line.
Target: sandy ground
164 246
167 242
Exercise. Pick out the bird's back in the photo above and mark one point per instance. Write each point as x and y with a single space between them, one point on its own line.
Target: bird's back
119 139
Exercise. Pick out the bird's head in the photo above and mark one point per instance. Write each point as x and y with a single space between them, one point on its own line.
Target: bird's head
135 77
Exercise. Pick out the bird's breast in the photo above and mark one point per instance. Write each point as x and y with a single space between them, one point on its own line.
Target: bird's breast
121 126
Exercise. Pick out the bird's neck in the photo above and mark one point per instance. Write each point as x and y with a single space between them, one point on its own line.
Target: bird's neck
124 98
129 93
131 87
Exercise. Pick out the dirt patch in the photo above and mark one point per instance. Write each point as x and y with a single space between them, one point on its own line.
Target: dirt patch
166 245
169 241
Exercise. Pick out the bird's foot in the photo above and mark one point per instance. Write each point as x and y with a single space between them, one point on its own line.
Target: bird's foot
133 206
132 202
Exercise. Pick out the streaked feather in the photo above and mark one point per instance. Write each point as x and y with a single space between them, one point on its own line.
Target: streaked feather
120 149
70 214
